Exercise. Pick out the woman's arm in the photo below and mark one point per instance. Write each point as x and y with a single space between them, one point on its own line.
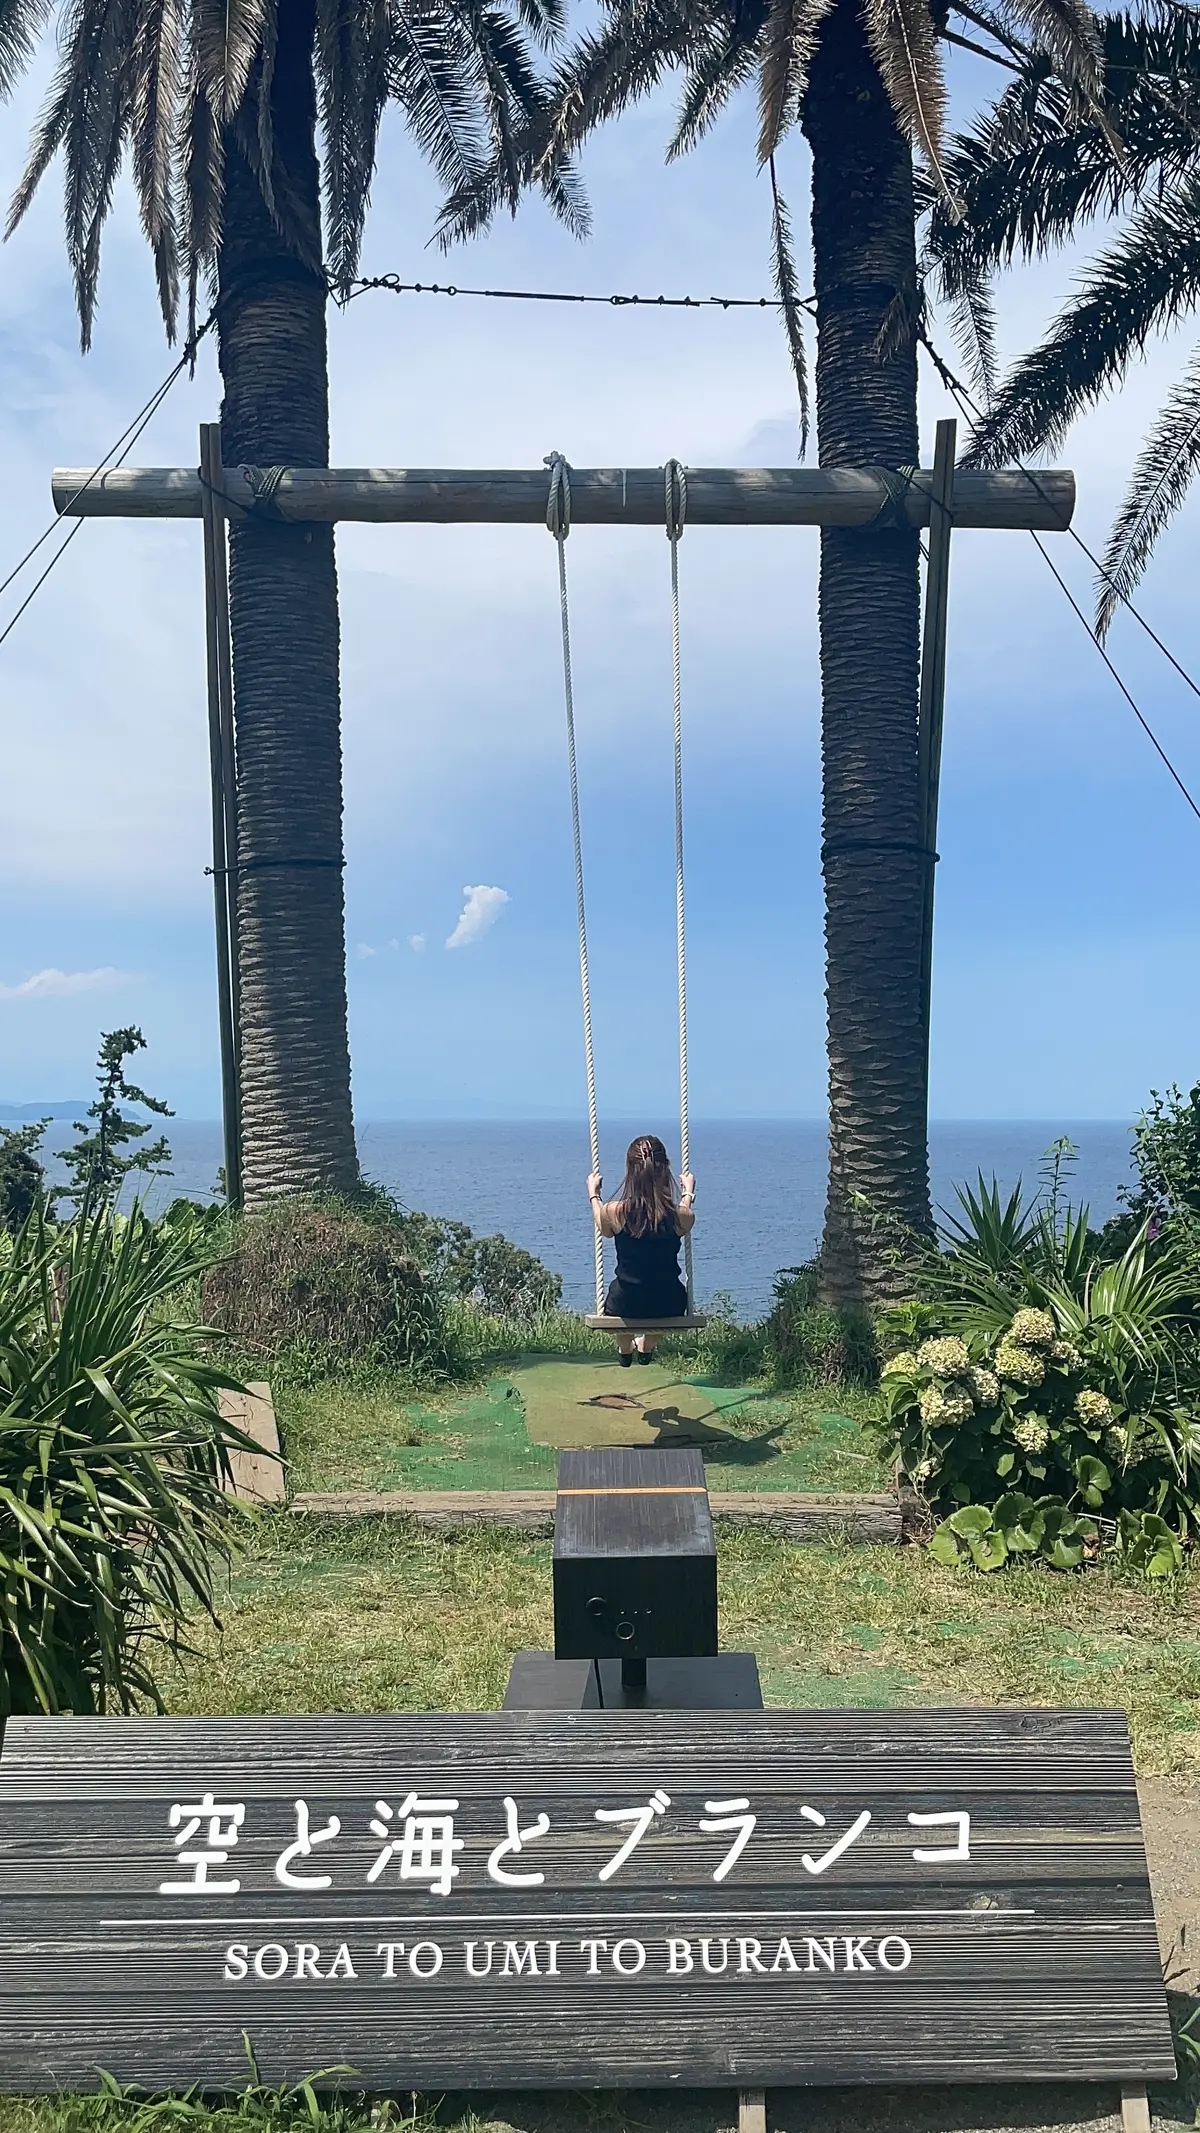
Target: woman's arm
685 1213
602 1215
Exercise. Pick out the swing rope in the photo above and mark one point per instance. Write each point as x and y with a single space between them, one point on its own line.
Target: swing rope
675 486
558 522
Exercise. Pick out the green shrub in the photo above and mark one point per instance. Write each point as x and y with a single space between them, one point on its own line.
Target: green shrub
112 1459
22 1174
809 1343
1043 1400
341 1289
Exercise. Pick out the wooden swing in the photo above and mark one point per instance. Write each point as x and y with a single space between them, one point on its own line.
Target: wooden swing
558 522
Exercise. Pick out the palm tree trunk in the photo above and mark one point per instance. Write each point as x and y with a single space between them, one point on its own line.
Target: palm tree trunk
297 1123
863 225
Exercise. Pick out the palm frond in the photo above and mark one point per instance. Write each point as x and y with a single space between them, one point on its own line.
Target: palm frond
606 70
614 67
93 140
155 94
905 46
427 79
510 97
1166 467
1141 284
203 162
718 68
787 288
544 19
53 118
352 45
973 324
1067 32
21 24
788 42
226 37
1038 165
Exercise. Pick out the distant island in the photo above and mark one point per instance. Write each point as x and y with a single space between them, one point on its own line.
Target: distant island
69 1107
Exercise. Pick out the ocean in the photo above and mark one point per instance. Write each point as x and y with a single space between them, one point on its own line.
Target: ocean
760 1183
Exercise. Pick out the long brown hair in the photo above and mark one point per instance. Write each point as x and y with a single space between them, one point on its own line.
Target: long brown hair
647 1197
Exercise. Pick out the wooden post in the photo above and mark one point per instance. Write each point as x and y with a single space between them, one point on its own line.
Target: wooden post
933 693
752 2111
1135 2111
223 788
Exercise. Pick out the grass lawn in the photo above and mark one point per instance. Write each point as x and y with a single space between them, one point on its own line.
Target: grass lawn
378 1616
337 1436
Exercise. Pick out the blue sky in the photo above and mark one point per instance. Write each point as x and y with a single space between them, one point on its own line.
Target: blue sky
1067 926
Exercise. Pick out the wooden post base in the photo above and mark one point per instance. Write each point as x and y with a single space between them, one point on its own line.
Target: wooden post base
752 2111
1135 2111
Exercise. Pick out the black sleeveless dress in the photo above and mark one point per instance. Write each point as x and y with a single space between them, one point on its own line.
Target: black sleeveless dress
648 1283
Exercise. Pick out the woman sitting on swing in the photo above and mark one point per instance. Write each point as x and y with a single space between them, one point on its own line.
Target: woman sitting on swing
649 1224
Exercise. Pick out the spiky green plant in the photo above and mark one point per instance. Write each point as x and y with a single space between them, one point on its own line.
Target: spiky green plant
113 1460
1033 173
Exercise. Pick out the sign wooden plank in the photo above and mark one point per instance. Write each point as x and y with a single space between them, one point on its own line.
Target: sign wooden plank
730 1898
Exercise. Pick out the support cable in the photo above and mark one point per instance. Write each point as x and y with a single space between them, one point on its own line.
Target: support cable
558 522
970 407
115 453
675 506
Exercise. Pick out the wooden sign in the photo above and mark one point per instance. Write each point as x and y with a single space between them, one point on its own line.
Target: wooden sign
534 1899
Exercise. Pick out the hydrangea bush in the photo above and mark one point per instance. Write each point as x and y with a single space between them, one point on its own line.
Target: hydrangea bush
1032 1435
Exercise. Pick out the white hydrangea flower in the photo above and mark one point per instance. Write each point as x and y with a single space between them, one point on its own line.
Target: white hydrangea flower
1033 1329
1019 1365
948 1357
1033 1435
898 1366
1094 1408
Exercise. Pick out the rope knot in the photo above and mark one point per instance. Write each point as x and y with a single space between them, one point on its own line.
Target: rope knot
675 498
893 511
264 484
558 501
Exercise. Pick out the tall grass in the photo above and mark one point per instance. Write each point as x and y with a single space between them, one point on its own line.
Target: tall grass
113 1460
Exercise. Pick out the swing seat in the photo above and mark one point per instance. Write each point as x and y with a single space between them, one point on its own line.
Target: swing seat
604 1322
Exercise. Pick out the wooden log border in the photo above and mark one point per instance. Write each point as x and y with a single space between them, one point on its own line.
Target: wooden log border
872 1520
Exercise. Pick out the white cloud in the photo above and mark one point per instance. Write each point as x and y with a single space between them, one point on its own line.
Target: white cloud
364 951
481 910
416 942
60 984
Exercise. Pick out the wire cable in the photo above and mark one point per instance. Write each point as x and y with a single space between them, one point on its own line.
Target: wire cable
970 406
115 453
396 287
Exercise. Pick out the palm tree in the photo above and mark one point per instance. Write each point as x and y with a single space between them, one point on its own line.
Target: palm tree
862 79
218 109
1031 174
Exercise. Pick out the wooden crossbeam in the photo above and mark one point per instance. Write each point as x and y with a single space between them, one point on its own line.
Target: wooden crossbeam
600 496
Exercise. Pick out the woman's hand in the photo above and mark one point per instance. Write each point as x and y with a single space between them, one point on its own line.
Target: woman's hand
594 1183
688 1186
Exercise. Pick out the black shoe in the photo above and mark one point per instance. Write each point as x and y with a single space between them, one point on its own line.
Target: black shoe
645 1357
625 1361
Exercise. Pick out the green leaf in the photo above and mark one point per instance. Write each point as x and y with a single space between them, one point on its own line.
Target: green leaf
1005 1464
1094 1480
1021 1523
973 1520
989 1551
1064 1554
945 1547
